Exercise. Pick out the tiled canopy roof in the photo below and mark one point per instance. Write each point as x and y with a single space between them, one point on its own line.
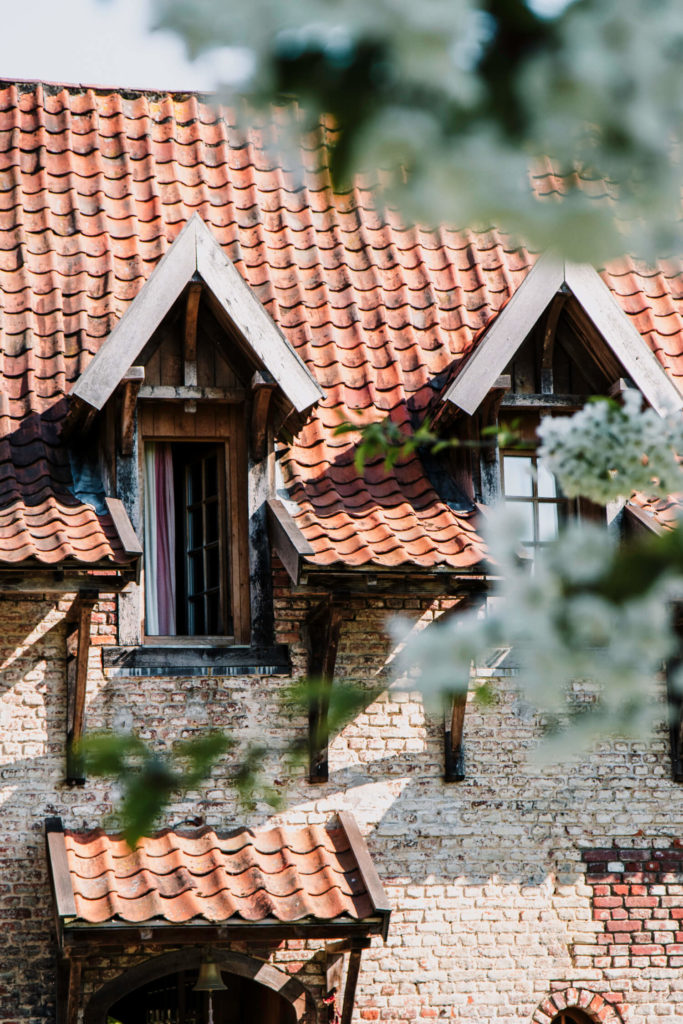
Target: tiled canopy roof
283 874
95 185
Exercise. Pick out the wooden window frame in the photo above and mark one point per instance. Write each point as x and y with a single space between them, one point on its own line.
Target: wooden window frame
571 510
224 426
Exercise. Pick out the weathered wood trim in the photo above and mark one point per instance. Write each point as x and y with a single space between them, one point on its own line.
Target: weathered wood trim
194 294
542 401
262 388
623 338
60 877
171 660
78 649
81 939
261 334
195 250
142 318
506 333
366 866
130 389
639 517
352 972
454 747
185 393
288 541
127 535
549 334
67 580
536 293
322 629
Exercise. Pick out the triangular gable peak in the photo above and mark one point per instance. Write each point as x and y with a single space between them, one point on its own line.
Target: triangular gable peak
196 262
551 284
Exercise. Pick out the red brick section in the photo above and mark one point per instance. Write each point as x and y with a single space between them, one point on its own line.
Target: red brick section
94 187
638 897
605 1008
286 874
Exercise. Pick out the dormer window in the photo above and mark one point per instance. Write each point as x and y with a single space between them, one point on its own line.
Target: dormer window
193 386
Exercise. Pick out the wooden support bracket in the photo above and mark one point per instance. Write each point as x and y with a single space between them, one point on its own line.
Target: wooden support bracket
69 971
262 386
322 630
352 972
454 748
77 649
130 389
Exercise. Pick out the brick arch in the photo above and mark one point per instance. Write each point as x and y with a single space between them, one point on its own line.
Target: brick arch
602 1009
264 974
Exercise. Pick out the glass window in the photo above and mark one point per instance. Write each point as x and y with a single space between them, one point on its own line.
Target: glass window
532 488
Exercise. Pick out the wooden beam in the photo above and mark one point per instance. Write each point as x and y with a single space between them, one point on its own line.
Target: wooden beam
79 418
541 401
506 333
549 335
62 890
130 389
78 647
352 972
62 581
322 629
127 535
454 749
194 294
622 336
263 386
184 393
366 866
288 541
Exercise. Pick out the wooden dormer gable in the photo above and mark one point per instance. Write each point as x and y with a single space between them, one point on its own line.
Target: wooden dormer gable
569 304
245 348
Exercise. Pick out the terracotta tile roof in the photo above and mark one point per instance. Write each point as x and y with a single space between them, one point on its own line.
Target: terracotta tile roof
95 185
283 874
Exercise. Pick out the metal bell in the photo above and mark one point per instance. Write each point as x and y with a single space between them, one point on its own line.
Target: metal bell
209 979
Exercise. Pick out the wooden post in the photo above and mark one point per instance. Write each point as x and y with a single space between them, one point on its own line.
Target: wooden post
194 294
322 628
262 386
454 749
77 649
352 972
130 389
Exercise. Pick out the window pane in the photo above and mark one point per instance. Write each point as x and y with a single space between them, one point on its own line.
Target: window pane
211 479
195 527
213 567
547 522
196 565
517 475
546 482
524 512
212 613
194 487
211 522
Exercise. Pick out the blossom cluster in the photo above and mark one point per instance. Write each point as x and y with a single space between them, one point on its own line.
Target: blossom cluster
606 451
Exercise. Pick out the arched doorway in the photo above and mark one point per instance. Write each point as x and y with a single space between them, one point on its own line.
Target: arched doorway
160 991
172 1000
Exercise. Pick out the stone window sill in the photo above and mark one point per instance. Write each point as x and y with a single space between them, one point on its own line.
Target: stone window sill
195 660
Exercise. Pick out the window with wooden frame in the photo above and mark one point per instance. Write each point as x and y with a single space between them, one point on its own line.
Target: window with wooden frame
533 491
195 530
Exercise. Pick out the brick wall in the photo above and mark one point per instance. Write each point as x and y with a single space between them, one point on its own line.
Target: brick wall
494 909
638 898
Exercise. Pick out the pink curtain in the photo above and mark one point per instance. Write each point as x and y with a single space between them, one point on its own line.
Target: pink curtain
160 581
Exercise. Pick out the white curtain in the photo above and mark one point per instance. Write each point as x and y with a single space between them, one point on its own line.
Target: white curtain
159 536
